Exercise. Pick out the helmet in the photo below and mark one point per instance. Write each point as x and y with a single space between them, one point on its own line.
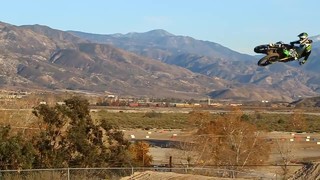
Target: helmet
303 35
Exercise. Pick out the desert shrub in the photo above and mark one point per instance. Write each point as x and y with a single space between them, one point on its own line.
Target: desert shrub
152 114
139 120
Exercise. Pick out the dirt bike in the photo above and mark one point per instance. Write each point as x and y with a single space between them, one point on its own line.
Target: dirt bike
278 52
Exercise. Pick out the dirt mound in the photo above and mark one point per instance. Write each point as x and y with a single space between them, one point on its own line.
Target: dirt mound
150 175
308 171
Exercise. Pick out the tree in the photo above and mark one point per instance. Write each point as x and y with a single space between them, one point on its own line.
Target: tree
51 144
70 138
139 151
231 143
286 151
188 153
15 151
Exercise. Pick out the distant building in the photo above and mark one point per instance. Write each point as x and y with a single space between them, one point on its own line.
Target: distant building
236 104
216 104
184 105
61 103
133 104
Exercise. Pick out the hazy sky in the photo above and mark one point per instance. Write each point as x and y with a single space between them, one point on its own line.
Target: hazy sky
237 24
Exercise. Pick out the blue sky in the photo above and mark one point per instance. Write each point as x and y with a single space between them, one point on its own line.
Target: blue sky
237 24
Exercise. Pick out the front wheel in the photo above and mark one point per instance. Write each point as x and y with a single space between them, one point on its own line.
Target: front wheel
269 59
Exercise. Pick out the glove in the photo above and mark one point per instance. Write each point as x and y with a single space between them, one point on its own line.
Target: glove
302 62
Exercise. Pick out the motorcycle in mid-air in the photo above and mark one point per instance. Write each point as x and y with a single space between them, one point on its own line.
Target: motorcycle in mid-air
277 52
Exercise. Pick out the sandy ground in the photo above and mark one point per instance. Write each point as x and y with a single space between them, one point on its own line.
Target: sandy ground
150 175
303 147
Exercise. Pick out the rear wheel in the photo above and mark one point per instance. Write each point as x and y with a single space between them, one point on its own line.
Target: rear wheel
269 59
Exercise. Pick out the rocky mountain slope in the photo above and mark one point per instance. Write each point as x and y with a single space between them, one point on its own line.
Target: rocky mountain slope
41 57
155 63
289 80
162 45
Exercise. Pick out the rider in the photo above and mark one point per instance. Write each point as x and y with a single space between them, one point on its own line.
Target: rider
304 49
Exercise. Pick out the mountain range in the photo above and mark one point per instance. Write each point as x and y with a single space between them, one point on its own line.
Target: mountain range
280 81
151 64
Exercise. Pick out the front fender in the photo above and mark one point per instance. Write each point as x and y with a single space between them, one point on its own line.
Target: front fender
261 49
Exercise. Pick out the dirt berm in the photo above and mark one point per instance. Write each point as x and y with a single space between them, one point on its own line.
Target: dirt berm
308 171
150 175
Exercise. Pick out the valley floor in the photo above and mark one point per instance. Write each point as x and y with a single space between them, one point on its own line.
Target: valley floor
303 147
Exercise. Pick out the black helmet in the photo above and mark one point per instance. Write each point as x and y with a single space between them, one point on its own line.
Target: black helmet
303 35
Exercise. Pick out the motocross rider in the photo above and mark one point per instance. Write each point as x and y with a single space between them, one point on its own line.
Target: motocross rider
304 49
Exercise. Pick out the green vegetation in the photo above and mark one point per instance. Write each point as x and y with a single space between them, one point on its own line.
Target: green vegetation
283 122
142 120
15 152
151 119
67 137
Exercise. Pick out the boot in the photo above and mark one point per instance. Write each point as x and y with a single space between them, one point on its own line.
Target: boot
293 53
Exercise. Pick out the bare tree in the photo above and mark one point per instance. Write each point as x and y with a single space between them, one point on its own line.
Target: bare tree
187 151
231 143
286 151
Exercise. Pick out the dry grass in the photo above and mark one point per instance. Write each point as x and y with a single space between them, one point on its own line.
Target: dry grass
17 117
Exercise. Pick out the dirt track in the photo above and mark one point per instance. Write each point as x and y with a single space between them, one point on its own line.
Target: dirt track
309 171
304 146
150 175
